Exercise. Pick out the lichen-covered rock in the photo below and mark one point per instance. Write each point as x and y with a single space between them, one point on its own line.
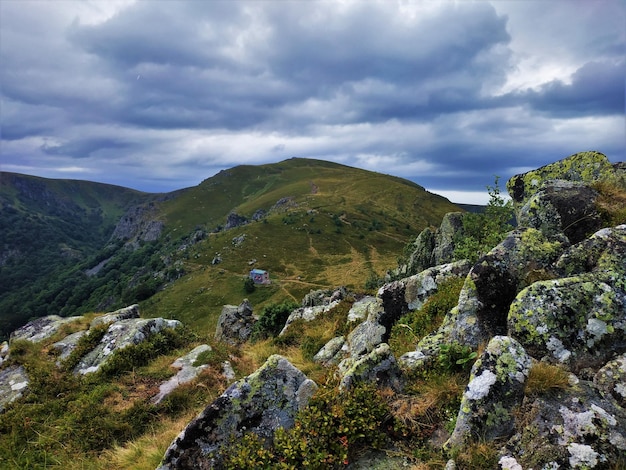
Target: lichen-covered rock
586 167
41 328
235 323
610 380
562 207
331 351
573 428
68 344
393 305
424 284
379 366
186 372
307 314
360 309
451 227
132 311
603 252
495 390
578 321
4 351
421 252
13 385
524 256
260 403
365 337
324 296
120 335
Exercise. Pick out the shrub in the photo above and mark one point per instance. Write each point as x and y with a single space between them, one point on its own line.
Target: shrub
272 320
326 434
482 231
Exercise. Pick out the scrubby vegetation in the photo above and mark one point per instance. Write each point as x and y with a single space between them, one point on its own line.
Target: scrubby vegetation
484 230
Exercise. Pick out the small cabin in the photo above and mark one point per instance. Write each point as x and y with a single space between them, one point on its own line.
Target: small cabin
259 276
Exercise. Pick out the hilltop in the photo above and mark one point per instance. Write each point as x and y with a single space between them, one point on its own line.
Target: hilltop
70 247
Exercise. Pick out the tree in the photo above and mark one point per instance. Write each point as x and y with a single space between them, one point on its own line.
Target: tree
483 231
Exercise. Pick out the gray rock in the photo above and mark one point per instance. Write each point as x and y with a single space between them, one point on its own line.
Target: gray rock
360 309
68 344
186 372
235 220
13 385
260 403
379 366
586 167
4 351
610 380
495 389
451 227
132 311
365 337
421 252
421 286
234 325
331 351
324 297
573 428
41 328
562 207
120 335
307 314
578 322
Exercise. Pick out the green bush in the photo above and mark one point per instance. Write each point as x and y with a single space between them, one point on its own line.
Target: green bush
327 434
272 320
482 231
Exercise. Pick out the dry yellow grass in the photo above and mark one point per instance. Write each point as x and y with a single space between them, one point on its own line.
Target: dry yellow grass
544 377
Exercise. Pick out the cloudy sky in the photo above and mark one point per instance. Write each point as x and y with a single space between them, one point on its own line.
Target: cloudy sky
158 95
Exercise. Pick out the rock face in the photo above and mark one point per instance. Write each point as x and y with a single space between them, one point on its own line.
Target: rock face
495 389
13 385
139 223
265 400
125 313
234 325
553 291
41 328
119 335
186 373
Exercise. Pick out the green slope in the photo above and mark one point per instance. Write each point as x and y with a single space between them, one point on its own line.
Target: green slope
337 225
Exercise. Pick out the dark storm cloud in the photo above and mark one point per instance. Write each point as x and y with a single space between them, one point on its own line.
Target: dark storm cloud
597 88
163 94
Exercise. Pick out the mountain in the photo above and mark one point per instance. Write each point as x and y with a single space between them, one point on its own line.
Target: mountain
70 247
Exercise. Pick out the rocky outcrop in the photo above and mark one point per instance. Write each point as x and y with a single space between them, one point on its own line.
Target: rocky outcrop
585 167
139 224
132 311
13 385
235 323
41 328
235 220
433 248
260 403
314 304
187 371
120 335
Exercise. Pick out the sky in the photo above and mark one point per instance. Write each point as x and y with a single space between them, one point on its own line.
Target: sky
159 95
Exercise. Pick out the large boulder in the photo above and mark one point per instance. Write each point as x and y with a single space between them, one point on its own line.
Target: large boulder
13 385
562 208
610 380
120 335
585 167
235 323
578 321
260 403
575 428
495 390
379 366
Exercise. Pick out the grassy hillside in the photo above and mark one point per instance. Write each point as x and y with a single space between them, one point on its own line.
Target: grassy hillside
321 225
340 226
